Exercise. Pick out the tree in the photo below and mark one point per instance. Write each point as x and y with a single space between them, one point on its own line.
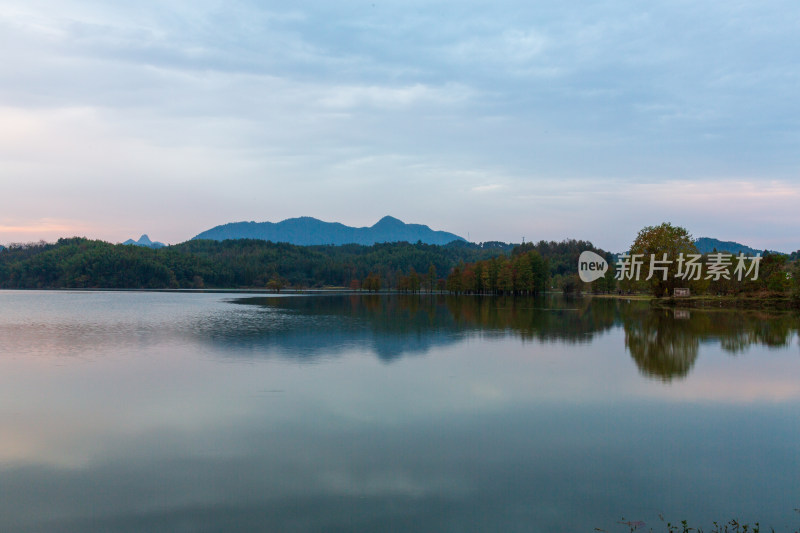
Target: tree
539 268
658 242
431 278
773 272
372 283
608 282
276 283
505 278
571 284
413 280
454 283
523 280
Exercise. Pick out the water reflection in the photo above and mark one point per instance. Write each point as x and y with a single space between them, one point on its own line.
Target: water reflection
666 346
397 325
664 343
192 414
661 345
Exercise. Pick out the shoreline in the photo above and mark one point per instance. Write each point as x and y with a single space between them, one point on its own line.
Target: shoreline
711 302
692 302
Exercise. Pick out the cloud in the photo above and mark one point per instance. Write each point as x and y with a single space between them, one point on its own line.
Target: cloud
236 107
43 228
393 97
508 48
487 188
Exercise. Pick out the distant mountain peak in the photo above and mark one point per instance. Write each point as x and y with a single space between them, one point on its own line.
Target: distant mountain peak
144 240
389 220
307 231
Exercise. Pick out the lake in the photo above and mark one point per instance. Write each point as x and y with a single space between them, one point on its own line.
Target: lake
167 411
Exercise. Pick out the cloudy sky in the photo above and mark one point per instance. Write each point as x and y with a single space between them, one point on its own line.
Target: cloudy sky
540 120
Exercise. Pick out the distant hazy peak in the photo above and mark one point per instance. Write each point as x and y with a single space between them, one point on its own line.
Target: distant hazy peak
306 231
389 221
144 240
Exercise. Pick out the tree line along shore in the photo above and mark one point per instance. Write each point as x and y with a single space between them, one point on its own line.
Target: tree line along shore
458 267
249 263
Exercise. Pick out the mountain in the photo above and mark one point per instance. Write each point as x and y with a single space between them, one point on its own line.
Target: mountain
144 240
707 245
309 231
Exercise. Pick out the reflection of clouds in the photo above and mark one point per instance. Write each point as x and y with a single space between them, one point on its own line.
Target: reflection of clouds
56 323
519 466
760 377
177 434
737 391
76 339
38 438
488 392
383 481
82 324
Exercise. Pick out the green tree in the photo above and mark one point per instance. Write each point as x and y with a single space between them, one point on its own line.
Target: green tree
664 242
796 283
571 285
773 272
523 280
505 277
608 282
539 269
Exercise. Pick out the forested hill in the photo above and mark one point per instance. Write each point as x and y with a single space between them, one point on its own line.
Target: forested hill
77 262
706 245
311 231
243 263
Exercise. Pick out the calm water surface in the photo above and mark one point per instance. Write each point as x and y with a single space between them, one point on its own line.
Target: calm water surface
216 412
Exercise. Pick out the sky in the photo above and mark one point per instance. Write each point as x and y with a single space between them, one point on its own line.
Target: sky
503 121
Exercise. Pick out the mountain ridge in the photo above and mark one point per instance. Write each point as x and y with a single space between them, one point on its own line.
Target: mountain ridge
144 240
309 231
707 245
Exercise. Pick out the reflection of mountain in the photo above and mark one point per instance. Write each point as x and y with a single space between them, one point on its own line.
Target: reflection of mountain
318 326
295 334
396 325
392 326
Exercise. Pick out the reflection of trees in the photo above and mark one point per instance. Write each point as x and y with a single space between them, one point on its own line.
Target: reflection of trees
661 345
667 347
392 326
530 318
